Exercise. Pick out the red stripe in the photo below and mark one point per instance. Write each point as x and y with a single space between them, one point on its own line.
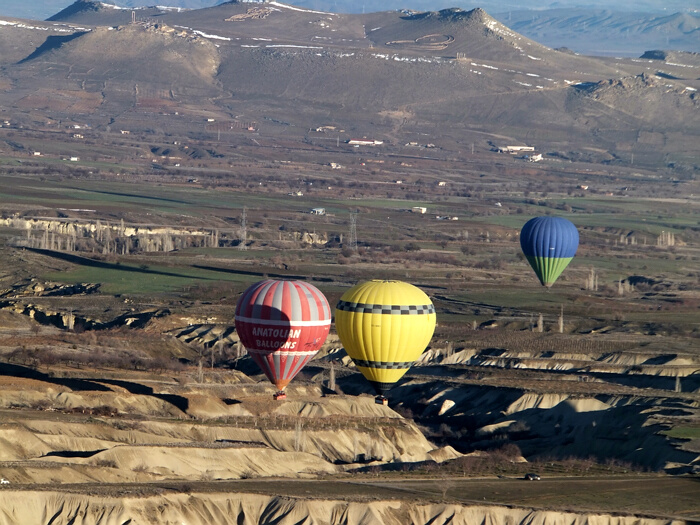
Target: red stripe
303 302
286 305
322 304
247 302
249 299
265 313
264 363
292 369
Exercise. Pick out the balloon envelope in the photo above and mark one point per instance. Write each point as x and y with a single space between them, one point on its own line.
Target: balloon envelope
549 244
282 324
384 326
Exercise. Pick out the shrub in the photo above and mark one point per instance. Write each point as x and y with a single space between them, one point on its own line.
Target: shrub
106 463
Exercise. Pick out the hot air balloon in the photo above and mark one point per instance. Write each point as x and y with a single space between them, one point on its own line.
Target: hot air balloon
384 326
549 244
282 324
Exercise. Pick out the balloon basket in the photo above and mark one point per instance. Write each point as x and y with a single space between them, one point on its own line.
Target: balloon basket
381 400
279 396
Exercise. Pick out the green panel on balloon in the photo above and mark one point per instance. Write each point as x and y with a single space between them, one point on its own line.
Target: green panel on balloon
548 269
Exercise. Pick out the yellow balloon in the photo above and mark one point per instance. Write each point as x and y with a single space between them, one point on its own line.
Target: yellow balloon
384 326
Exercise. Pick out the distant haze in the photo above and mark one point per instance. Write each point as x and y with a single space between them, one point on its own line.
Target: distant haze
42 9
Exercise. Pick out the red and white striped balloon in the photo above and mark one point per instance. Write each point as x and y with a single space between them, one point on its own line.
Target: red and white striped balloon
282 324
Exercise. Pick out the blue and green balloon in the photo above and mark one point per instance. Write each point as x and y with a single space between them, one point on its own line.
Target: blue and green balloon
549 244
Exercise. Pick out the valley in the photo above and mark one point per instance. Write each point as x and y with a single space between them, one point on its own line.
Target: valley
151 171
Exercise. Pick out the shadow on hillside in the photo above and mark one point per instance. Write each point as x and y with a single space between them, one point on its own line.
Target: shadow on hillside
667 76
85 261
179 402
95 385
603 428
51 43
256 274
11 370
73 453
131 195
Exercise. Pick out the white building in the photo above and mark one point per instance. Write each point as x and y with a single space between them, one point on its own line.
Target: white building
517 149
365 142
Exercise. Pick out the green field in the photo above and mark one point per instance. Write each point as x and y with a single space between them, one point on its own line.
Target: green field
131 279
683 432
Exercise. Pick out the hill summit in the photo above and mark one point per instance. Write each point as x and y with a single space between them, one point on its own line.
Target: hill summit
451 67
80 7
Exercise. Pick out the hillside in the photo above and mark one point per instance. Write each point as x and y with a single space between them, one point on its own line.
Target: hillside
201 507
452 66
162 56
101 13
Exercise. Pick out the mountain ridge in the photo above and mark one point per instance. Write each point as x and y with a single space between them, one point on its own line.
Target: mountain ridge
443 68
595 30
607 32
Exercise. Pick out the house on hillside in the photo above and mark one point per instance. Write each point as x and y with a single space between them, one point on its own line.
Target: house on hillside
516 149
365 142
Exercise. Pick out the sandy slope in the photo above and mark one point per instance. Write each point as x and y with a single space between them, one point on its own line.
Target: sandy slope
248 509
292 439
